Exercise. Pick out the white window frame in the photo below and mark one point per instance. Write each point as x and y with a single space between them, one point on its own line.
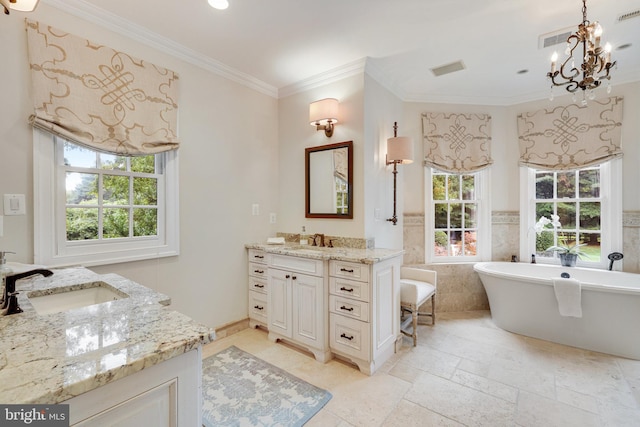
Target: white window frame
484 220
610 223
50 245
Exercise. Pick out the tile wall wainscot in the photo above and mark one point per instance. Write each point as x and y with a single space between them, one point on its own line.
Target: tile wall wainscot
459 287
631 241
337 241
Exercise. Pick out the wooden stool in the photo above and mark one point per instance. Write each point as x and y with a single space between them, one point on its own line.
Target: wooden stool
416 287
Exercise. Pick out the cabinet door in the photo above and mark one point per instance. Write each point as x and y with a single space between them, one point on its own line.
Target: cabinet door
309 310
280 300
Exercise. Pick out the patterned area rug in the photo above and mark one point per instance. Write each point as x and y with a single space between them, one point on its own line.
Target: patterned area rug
241 390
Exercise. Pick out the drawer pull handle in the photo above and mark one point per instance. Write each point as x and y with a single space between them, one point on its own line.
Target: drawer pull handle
287 276
259 256
259 271
343 335
346 289
346 270
346 308
258 307
258 285
294 277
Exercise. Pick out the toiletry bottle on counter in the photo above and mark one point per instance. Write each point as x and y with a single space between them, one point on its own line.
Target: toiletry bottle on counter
304 238
4 272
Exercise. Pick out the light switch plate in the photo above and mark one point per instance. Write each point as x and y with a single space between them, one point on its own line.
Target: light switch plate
14 204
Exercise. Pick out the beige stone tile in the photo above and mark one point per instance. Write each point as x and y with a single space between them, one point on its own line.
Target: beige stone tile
596 376
534 410
613 415
431 360
408 414
460 403
523 376
465 348
367 401
477 368
325 418
577 399
485 385
405 371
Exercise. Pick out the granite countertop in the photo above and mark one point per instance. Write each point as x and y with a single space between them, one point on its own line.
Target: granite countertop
53 357
364 256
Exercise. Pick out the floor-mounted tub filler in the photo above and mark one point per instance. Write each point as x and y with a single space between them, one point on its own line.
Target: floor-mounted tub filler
602 312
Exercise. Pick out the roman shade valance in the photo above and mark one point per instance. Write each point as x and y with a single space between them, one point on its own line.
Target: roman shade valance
99 97
572 136
457 143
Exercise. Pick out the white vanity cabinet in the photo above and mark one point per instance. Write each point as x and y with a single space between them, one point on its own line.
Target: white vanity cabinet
257 288
364 305
297 300
168 394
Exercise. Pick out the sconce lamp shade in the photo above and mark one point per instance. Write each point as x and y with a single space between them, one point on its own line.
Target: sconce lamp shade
323 112
400 149
20 5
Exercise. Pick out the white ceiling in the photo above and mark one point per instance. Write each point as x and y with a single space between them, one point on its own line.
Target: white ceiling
281 46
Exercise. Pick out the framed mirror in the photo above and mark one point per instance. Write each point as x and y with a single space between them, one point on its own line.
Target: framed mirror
329 181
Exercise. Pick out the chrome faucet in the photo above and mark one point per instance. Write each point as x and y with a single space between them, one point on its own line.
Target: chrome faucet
614 256
10 300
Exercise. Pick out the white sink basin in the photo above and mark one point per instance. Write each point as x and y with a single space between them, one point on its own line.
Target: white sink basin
67 299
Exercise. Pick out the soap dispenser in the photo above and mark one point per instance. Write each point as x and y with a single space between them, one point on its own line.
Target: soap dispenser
304 238
4 272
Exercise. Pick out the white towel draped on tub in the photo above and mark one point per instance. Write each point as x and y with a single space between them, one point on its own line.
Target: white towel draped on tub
568 294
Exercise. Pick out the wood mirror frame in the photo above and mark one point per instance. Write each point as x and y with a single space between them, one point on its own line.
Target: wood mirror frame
321 162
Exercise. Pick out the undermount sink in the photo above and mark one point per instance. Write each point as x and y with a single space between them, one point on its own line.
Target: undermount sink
69 298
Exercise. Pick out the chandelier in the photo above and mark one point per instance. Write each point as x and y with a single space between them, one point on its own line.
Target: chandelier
595 59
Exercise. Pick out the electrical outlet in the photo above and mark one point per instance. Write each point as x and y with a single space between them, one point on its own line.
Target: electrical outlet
272 218
255 209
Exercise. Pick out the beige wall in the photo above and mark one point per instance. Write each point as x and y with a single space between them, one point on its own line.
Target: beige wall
228 156
505 185
240 147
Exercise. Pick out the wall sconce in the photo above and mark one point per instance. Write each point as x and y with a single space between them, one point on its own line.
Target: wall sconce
399 151
19 5
323 114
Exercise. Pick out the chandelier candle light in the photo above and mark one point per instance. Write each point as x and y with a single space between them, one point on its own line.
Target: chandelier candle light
596 60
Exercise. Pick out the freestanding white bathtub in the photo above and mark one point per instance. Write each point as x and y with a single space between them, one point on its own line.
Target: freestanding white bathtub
522 300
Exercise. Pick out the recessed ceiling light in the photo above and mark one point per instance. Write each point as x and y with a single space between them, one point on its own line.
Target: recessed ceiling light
624 46
219 4
525 71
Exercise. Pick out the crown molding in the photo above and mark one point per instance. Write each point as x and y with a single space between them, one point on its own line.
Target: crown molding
322 79
113 22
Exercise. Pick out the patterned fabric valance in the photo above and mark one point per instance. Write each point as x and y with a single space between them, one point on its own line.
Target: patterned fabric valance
457 143
99 97
572 136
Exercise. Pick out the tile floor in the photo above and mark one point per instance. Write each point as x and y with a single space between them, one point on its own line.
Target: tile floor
465 371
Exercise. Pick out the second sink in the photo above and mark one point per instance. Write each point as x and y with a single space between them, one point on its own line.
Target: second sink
69 298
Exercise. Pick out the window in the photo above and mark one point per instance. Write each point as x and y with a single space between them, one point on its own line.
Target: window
95 208
587 204
458 228
342 196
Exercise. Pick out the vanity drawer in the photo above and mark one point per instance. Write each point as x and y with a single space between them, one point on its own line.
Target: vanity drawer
258 306
257 255
349 270
258 285
349 336
310 266
349 288
348 307
257 270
